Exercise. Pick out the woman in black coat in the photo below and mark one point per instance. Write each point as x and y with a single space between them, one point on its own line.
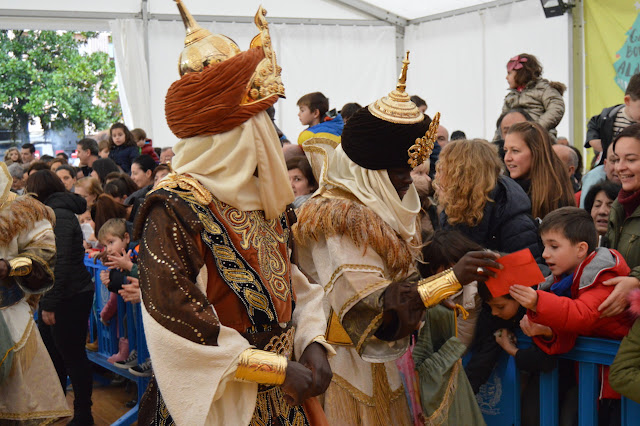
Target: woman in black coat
64 310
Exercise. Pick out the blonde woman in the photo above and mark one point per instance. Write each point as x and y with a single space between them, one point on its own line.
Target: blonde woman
490 209
493 211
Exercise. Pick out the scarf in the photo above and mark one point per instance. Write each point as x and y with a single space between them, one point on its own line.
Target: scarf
373 188
225 164
630 201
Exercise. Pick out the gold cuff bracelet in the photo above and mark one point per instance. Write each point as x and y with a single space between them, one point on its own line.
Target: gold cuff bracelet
434 289
20 266
263 367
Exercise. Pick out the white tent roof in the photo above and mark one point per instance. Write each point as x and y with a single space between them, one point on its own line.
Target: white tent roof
82 12
348 49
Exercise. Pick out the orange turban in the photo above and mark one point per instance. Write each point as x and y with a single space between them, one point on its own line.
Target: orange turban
209 102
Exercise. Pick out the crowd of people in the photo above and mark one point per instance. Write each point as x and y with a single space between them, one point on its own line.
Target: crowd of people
339 279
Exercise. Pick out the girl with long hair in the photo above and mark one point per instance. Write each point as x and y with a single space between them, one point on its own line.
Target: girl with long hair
533 164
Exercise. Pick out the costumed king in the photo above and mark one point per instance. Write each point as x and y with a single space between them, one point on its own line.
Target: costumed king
30 391
359 238
235 331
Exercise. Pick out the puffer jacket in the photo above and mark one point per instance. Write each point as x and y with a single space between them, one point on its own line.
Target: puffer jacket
624 376
124 156
579 315
507 225
71 276
624 236
542 99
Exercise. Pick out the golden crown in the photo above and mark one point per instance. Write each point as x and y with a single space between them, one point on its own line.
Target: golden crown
421 150
202 48
397 106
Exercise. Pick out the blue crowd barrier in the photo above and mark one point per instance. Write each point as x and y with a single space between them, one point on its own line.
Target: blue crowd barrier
128 322
499 398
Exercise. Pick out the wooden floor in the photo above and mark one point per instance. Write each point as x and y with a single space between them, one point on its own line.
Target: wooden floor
108 404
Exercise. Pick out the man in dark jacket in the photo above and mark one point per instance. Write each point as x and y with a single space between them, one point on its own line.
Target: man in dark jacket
603 127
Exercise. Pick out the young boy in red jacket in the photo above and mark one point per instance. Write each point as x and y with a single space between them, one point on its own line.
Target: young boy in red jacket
569 306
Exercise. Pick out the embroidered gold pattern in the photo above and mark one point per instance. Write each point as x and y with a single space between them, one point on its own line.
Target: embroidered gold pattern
263 235
190 185
271 408
282 344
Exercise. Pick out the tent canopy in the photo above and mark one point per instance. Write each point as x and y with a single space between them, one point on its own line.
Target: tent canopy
348 49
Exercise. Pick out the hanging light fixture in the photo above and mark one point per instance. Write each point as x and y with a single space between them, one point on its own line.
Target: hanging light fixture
554 8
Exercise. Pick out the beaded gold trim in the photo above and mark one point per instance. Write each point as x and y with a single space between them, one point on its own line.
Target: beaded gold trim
434 289
282 344
263 367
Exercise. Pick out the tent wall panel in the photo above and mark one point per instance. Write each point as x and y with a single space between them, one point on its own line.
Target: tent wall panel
462 61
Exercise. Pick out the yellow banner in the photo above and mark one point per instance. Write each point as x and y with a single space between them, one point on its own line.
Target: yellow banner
612 50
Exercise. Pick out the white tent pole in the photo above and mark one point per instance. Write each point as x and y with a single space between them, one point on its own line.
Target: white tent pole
462 11
145 26
400 49
375 11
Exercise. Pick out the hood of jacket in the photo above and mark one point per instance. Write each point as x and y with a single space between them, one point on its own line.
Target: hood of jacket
68 201
333 126
602 260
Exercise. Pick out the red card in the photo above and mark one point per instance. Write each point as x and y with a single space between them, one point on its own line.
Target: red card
519 268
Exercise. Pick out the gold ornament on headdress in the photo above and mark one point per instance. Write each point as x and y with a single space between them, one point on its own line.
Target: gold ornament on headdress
266 80
202 48
397 106
421 150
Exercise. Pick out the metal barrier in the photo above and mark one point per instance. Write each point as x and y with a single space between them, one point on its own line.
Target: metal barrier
499 398
129 319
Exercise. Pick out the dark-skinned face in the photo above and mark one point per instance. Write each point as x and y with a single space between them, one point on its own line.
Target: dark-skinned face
401 180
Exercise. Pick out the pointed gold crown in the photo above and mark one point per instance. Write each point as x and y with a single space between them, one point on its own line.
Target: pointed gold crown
421 150
202 48
397 106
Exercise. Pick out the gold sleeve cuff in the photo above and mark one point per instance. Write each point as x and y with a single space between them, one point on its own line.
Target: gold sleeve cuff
434 289
20 266
263 367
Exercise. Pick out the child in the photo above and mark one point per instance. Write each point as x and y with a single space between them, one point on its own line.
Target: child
603 127
443 340
579 270
122 147
540 98
441 252
103 149
495 333
313 109
88 230
145 145
114 237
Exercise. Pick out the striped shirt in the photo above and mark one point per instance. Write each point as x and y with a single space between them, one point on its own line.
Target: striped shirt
622 121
